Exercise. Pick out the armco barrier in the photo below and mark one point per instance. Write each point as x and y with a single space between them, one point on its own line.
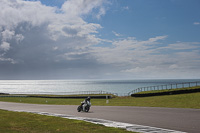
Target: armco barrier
76 97
165 87
166 93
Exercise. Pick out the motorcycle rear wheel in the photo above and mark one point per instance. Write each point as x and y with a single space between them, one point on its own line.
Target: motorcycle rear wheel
79 108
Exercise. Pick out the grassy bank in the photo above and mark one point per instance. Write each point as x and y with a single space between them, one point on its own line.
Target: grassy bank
18 122
191 100
170 90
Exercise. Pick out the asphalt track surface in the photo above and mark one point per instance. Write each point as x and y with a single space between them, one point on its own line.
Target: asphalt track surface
186 120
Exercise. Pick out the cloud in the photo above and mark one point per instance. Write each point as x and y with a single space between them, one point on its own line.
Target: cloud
182 46
83 7
39 41
157 38
116 34
102 12
196 23
7 59
5 46
7 35
126 50
36 38
25 15
24 11
125 8
151 58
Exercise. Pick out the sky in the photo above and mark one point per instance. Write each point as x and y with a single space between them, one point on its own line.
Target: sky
99 39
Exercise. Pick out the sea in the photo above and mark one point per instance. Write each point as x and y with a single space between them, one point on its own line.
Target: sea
67 87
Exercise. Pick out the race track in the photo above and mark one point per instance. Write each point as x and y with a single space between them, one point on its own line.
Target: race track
186 120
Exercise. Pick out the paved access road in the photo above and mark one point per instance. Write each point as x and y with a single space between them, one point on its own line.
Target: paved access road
187 120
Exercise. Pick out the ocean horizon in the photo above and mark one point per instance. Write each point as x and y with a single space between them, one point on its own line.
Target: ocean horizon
63 87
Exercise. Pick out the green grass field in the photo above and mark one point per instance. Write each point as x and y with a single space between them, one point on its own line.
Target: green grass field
169 90
20 122
191 100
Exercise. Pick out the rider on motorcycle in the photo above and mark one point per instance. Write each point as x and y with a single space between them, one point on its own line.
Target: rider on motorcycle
86 102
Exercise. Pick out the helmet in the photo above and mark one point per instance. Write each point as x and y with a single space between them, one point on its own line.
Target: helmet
88 98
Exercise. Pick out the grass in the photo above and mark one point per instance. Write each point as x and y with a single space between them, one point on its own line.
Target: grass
172 101
21 122
169 90
191 100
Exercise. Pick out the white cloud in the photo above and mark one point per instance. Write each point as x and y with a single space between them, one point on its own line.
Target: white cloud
8 60
128 50
67 23
37 14
151 57
24 11
83 7
196 23
116 34
102 12
181 46
7 35
125 8
5 46
140 70
19 38
157 38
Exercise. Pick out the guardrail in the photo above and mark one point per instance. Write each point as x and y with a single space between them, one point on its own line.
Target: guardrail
67 93
164 87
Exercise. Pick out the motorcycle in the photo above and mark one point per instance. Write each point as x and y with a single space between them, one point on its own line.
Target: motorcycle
80 107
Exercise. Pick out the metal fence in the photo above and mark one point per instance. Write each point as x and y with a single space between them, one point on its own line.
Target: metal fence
68 93
164 87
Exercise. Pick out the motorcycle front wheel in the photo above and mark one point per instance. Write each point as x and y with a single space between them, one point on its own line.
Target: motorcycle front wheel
87 108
